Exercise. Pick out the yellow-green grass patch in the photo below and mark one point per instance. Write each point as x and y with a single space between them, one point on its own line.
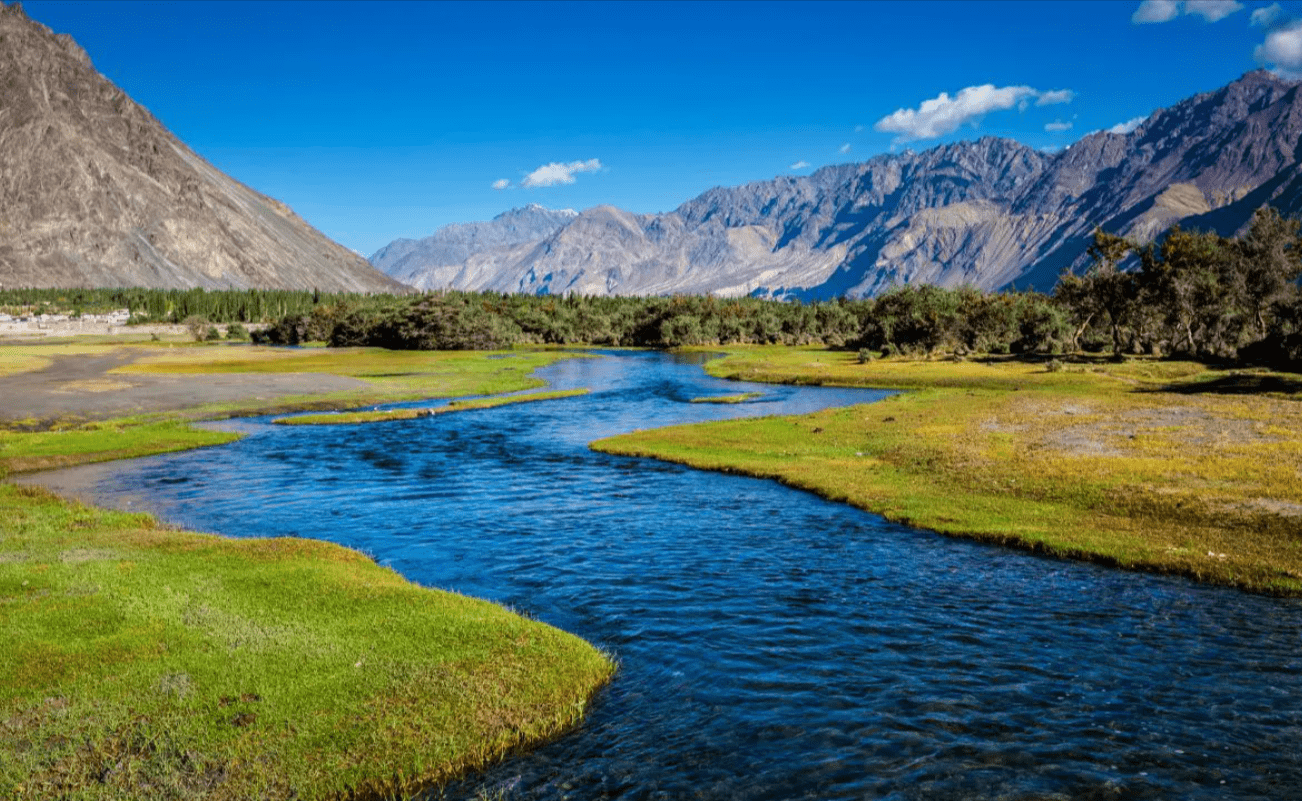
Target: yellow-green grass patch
1094 463
145 662
99 442
740 397
383 415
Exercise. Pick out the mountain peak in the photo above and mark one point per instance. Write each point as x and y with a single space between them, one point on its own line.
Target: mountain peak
96 192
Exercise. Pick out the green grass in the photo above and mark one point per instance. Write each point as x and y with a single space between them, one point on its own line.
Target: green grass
145 662
99 442
1096 462
379 416
741 397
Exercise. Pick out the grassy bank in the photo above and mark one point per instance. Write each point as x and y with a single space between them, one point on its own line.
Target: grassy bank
1145 465
382 415
100 442
144 662
141 661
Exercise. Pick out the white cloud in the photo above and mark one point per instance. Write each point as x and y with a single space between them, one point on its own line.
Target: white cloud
858 129
1156 11
843 149
1212 10
1151 11
558 173
501 183
1282 48
1127 126
944 114
799 165
1054 97
1057 125
1265 17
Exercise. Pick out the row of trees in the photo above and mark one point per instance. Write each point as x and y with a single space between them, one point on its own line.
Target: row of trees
1194 293
912 319
176 305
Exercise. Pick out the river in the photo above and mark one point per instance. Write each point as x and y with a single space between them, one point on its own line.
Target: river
771 645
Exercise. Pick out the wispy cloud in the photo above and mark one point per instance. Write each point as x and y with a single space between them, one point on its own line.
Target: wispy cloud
944 114
1057 125
1127 126
558 173
501 183
1265 17
1054 97
799 165
1212 10
843 149
1154 11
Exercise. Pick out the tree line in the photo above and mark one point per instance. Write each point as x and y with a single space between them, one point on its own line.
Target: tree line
176 305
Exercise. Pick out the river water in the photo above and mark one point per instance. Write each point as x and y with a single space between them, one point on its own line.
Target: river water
772 645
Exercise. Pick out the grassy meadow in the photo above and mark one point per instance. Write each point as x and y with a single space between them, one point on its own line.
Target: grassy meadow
1145 465
145 662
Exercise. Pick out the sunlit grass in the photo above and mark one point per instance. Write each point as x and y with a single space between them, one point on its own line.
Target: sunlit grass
99 442
741 397
1091 462
145 662
382 415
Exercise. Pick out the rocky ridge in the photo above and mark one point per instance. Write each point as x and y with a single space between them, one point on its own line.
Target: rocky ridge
990 213
95 192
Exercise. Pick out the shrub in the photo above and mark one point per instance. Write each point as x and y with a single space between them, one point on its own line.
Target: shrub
236 331
865 355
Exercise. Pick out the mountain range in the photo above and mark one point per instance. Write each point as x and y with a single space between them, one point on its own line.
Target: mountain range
95 192
990 213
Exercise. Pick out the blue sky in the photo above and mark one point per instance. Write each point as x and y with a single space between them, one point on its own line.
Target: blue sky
383 120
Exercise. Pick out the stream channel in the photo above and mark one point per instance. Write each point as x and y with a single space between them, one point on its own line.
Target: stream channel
771 645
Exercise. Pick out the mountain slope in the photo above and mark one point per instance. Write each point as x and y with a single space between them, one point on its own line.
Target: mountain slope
96 192
990 212
436 260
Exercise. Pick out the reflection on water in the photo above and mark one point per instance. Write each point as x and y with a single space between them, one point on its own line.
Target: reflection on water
772 645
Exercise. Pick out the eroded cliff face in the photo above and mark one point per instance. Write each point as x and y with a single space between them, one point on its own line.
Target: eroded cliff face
990 213
96 192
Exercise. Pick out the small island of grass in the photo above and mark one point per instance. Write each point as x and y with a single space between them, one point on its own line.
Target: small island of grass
383 415
740 397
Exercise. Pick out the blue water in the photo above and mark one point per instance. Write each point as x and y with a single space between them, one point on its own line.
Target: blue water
773 645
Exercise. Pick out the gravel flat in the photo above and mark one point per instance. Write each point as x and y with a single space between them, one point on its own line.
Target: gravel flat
82 386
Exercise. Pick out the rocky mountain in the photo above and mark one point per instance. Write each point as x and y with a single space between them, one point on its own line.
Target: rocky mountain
990 213
96 192
435 261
